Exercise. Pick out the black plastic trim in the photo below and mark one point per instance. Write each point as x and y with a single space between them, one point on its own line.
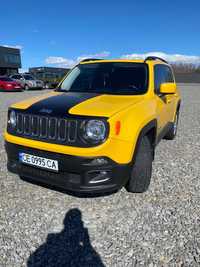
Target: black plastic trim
163 132
73 171
90 59
149 126
155 58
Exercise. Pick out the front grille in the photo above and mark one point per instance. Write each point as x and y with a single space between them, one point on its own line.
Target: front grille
50 129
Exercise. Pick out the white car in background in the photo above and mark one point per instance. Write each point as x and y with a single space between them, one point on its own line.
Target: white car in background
28 81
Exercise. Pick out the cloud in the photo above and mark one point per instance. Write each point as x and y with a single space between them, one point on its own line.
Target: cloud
97 55
172 58
14 46
60 61
65 62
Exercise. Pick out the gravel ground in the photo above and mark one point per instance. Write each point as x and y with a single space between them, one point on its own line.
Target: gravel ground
40 227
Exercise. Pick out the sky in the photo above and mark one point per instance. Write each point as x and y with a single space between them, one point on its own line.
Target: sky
60 33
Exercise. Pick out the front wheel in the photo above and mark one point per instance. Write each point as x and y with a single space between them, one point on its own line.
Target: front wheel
173 129
141 171
26 87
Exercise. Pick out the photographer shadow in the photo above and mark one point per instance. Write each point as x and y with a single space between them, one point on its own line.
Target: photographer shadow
71 247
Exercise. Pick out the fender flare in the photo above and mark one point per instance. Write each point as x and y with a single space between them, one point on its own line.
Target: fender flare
178 105
148 127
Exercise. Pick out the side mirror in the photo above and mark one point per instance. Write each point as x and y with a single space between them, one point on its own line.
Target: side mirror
168 88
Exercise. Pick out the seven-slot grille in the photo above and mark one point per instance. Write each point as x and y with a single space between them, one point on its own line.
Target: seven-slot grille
56 130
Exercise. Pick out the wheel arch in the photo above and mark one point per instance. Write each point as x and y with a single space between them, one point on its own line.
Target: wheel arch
149 130
178 105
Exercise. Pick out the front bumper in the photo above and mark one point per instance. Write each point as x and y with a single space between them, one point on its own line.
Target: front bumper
35 86
76 174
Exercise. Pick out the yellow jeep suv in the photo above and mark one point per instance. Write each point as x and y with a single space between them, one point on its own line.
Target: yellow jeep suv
97 132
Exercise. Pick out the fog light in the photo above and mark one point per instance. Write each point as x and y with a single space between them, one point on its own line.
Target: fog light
99 176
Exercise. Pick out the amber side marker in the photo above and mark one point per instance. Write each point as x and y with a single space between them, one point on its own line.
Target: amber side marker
117 127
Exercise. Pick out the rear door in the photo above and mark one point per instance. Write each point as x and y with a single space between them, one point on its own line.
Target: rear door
170 98
162 75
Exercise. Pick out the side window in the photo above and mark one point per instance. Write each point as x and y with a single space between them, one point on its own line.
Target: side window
17 77
162 74
158 78
169 76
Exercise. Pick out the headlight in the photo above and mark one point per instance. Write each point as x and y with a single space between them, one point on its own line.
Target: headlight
93 131
12 120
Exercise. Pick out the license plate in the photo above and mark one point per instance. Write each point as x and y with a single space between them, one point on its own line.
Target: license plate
39 162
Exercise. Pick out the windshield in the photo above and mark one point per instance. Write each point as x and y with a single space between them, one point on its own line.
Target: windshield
28 77
107 78
5 79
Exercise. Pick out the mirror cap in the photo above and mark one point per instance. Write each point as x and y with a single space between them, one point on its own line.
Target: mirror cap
168 88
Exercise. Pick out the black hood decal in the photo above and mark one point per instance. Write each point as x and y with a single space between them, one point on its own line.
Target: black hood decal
59 105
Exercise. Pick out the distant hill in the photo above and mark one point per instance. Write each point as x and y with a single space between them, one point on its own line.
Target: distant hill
187 77
186 73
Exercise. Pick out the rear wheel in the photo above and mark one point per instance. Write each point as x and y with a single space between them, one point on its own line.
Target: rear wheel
141 171
26 87
173 129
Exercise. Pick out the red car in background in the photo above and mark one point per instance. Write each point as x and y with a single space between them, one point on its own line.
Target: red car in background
9 85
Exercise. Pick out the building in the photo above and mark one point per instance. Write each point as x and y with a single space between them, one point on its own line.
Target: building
49 75
10 60
48 72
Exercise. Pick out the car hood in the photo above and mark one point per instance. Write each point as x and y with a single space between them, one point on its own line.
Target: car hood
83 104
104 105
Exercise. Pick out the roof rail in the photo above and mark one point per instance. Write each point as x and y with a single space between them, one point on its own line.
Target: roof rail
90 59
155 58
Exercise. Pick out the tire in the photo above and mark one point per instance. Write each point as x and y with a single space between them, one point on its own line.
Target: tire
173 129
141 170
26 87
